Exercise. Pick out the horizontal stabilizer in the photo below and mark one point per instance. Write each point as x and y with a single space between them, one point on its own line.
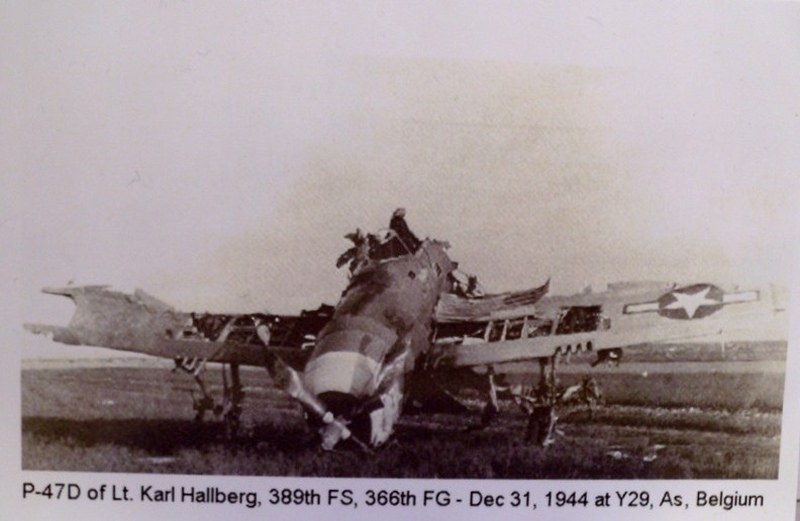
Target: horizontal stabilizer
71 291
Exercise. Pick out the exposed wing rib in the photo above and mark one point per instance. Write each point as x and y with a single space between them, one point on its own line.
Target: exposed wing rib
455 308
696 313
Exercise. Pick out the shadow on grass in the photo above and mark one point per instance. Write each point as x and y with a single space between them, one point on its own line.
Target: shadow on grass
419 451
159 436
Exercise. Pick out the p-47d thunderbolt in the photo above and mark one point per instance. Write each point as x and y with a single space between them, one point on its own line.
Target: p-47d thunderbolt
408 326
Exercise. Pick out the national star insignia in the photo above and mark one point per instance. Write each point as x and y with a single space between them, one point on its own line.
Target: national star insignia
690 302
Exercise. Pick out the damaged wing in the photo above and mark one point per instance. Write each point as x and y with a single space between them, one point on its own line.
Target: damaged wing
455 308
622 316
141 323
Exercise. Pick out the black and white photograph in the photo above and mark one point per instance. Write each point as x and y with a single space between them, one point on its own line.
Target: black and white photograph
340 244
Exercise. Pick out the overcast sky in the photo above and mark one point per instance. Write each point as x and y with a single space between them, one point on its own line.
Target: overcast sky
216 154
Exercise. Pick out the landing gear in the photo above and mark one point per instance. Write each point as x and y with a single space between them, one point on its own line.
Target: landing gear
541 425
492 409
538 403
232 397
541 414
201 406
230 408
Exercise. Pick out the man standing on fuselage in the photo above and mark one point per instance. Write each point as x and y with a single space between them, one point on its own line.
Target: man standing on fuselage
398 226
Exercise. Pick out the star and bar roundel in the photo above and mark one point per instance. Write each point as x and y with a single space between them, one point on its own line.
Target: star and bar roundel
691 302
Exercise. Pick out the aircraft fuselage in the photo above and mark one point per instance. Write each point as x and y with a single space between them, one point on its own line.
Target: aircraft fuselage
380 327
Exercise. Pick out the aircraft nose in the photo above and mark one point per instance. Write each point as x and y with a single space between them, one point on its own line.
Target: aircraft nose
345 362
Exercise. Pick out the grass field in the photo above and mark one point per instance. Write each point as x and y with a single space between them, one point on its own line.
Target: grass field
707 422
